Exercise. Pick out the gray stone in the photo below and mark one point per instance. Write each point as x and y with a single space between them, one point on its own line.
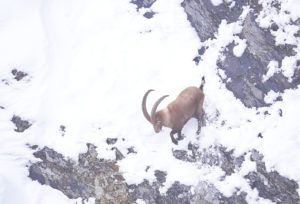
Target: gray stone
99 178
143 3
91 177
19 75
111 141
271 185
21 125
149 14
245 72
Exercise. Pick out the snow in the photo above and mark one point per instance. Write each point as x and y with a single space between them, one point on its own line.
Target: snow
272 69
216 2
240 47
89 64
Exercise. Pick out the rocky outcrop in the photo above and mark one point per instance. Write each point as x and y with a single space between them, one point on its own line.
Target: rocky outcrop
21 125
101 179
18 75
89 177
246 72
272 185
143 3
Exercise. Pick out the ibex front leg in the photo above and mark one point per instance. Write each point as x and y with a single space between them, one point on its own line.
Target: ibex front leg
172 137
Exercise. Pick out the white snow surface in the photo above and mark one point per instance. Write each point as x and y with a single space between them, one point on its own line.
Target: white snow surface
89 64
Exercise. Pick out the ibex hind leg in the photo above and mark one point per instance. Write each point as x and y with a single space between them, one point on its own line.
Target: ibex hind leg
200 119
180 136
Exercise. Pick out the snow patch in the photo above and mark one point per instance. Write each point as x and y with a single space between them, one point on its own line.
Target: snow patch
272 69
240 46
216 2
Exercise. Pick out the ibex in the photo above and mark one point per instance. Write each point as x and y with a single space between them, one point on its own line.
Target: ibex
188 104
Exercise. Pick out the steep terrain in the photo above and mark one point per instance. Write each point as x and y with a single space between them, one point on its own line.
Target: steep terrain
72 77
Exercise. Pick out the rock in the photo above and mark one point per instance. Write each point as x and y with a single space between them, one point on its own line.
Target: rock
149 14
91 177
62 130
119 155
21 125
143 3
19 75
246 72
160 176
271 185
131 150
149 193
111 141
99 178
213 156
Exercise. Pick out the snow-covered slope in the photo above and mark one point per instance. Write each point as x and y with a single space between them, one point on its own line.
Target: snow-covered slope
88 64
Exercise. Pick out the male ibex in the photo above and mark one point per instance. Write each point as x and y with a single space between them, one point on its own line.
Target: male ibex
188 104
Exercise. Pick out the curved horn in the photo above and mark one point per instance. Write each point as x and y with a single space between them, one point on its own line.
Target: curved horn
156 105
146 114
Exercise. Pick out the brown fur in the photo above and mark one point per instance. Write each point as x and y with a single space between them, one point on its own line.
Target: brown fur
188 104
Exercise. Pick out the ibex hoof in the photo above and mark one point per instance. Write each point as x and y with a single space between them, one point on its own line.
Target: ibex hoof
175 142
181 137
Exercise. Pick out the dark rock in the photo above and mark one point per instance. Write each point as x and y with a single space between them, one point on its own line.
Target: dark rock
91 177
111 141
280 112
205 17
5 81
149 15
62 130
149 193
246 71
99 178
271 185
34 147
145 191
131 150
213 156
201 51
143 3
21 125
160 176
1 107
119 155
197 60
179 193
19 75
184 156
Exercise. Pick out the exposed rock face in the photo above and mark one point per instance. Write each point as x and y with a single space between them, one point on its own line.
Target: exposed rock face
93 177
271 185
246 72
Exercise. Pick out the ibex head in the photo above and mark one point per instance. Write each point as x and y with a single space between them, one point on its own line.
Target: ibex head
156 118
